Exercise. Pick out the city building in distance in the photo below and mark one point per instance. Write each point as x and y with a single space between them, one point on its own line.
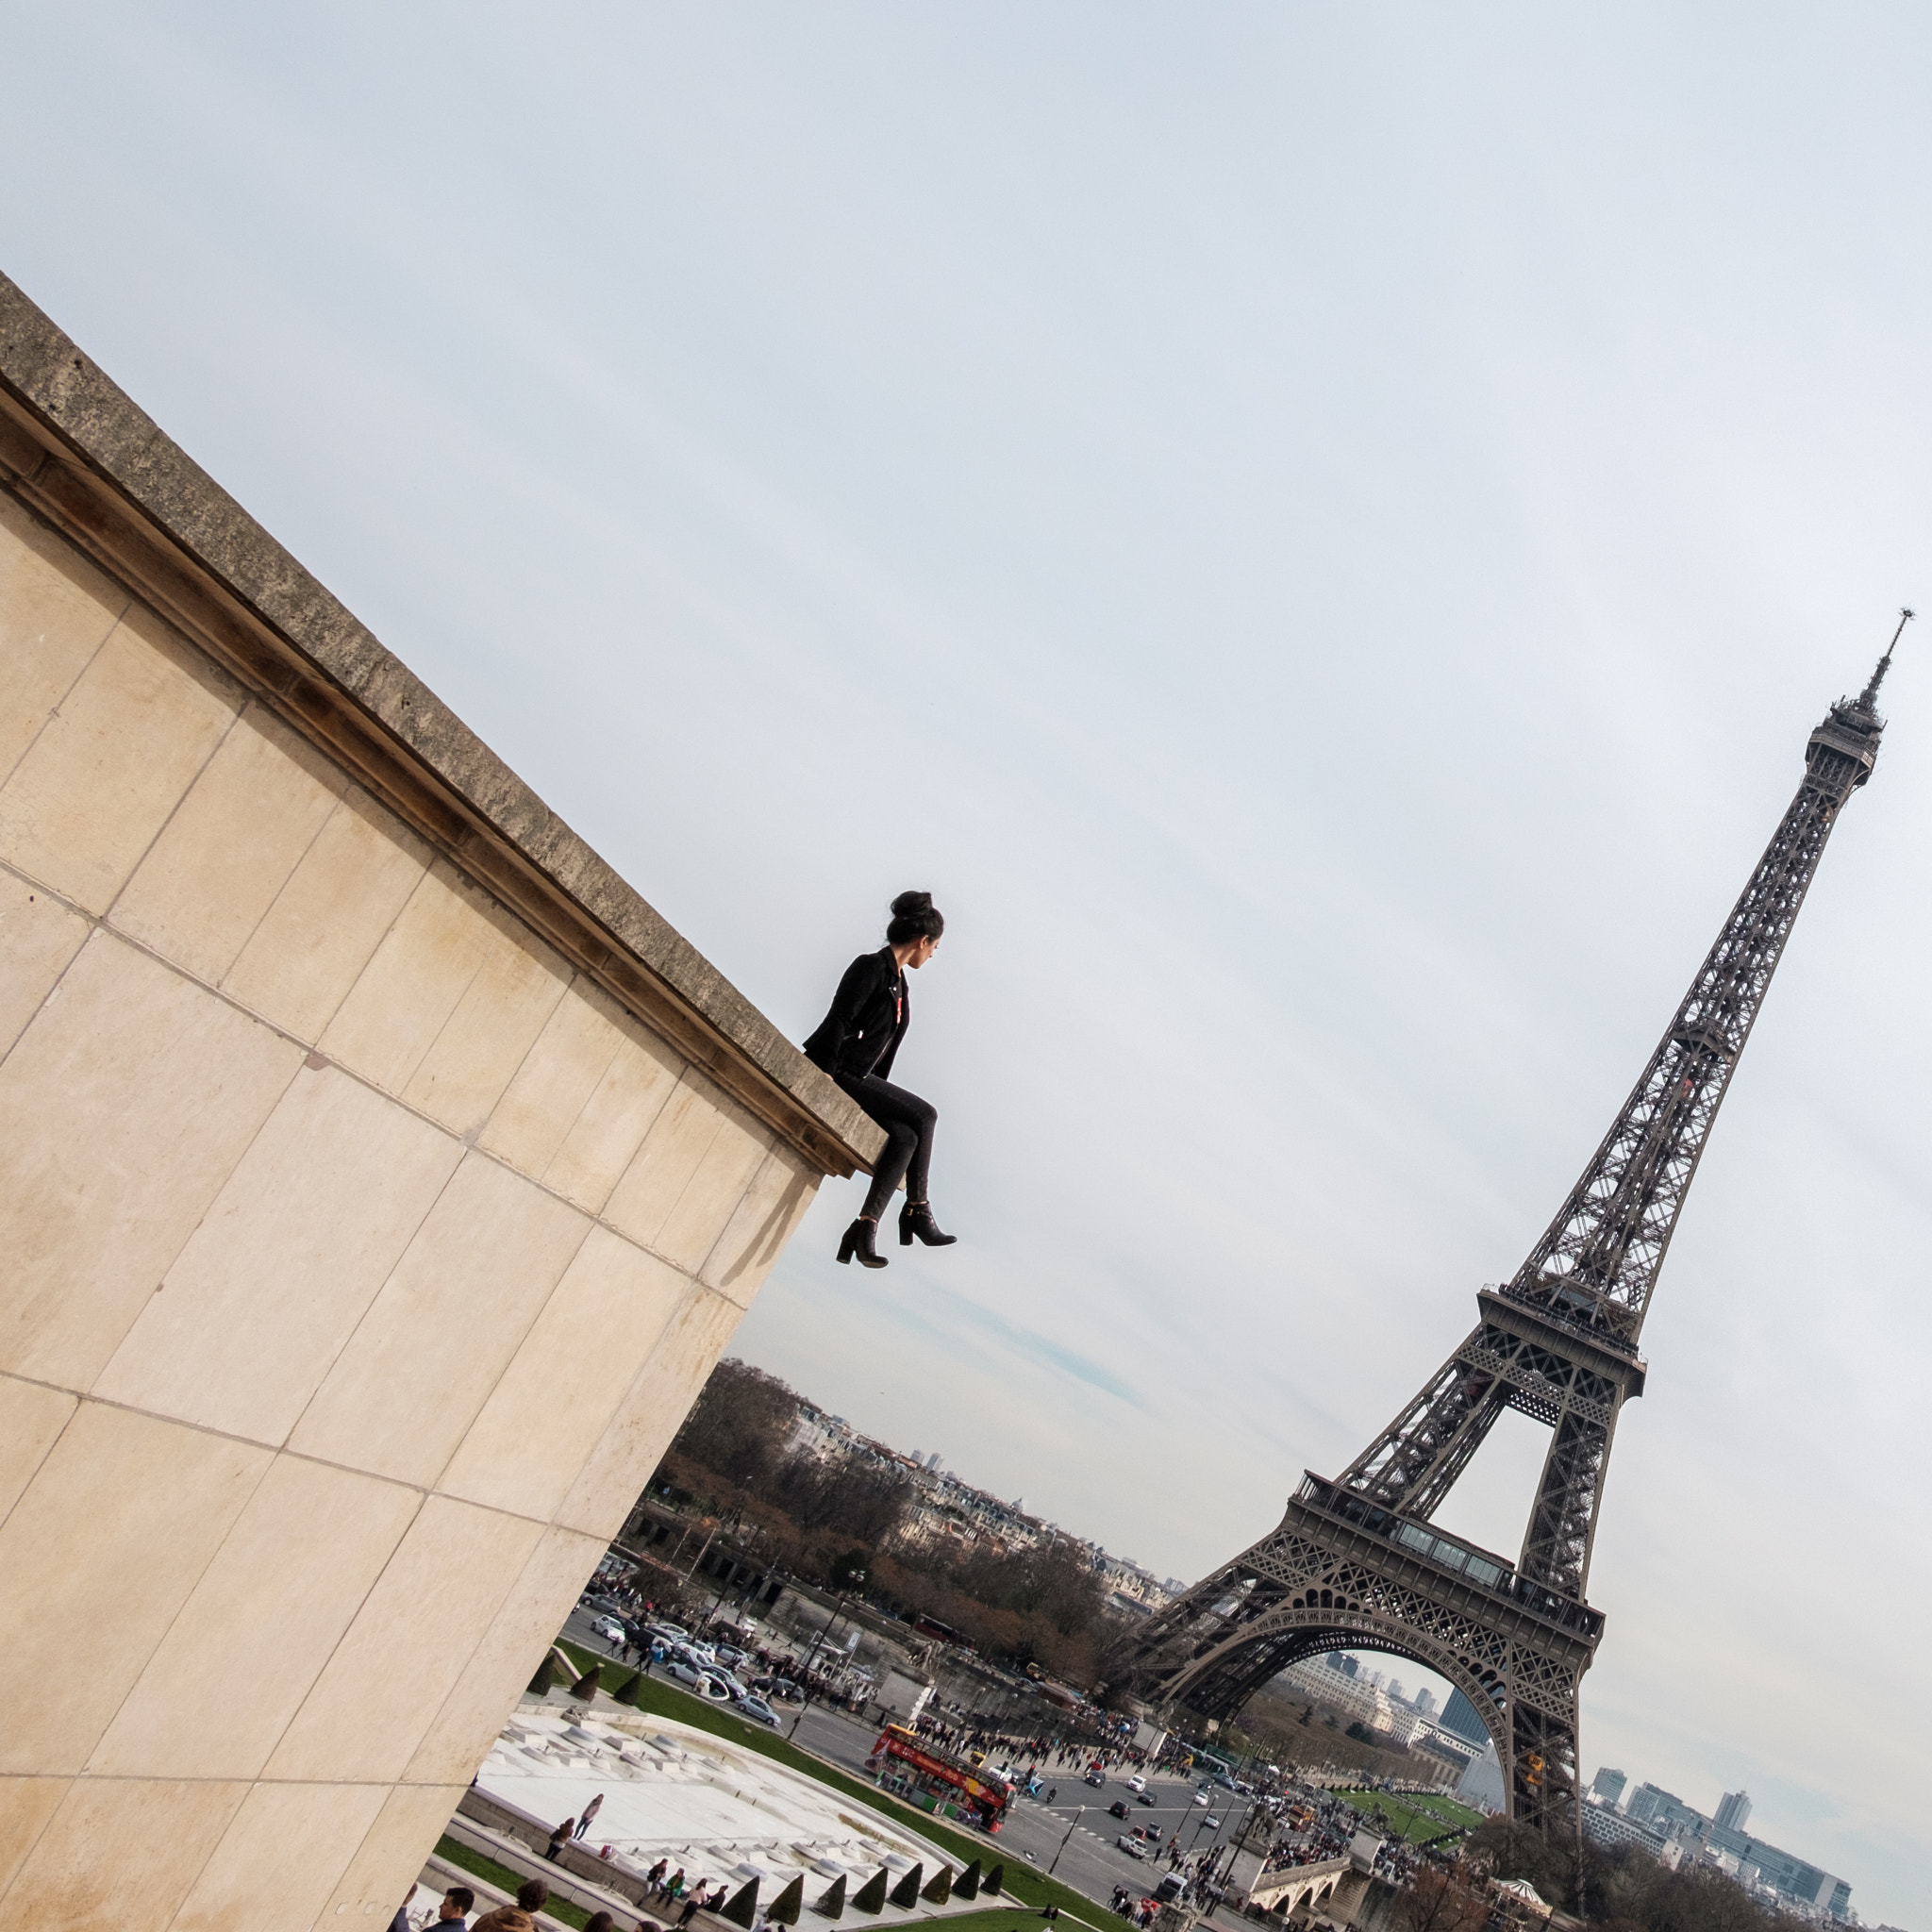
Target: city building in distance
1675 1833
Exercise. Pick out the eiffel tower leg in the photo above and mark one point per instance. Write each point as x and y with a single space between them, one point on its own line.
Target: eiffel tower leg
1542 1777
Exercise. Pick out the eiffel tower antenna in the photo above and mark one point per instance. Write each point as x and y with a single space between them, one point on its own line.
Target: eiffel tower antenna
1868 697
1357 1562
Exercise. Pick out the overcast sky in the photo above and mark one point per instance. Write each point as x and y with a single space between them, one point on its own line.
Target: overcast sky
1319 534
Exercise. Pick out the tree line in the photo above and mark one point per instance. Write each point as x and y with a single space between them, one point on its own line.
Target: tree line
825 1517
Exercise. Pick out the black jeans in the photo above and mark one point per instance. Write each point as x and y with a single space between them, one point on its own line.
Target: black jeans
908 1122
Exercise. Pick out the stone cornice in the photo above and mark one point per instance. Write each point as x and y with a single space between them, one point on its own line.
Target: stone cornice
77 451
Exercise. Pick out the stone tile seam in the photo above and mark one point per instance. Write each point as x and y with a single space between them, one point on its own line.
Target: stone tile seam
40 1463
351 784
424 1498
132 1777
496 1382
415 1066
597 1086
54 709
251 703
694 1292
308 1048
169 816
272 1450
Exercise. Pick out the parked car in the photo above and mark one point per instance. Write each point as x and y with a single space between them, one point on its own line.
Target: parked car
757 1707
681 1670
1144 1797
1117 1809
1132 1846
1136 1783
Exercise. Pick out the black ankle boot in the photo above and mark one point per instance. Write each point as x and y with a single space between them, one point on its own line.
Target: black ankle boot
858 1242
915 1218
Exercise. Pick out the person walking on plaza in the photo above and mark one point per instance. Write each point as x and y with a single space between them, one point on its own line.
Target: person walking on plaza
590 1810
855 1044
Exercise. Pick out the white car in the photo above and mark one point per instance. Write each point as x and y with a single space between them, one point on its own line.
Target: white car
1136 1783
1201 1799
609 1629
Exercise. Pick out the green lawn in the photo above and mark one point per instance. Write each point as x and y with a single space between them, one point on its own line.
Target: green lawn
487 1869
1028 1889
1418 1819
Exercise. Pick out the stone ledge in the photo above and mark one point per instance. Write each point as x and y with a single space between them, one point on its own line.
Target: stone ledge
83 455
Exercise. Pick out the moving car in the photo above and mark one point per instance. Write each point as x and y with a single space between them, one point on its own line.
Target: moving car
757 1707
1132 1846
1212 1824
1200 1797
1117 1809
1136 1783
609 1629
1145 1798
1096 1778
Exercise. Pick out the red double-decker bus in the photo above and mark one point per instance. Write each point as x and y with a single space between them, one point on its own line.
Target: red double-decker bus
902 1761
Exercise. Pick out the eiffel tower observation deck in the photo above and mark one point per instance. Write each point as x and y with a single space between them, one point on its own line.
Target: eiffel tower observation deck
1357 1562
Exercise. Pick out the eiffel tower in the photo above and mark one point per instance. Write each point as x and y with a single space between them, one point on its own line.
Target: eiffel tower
1356 1563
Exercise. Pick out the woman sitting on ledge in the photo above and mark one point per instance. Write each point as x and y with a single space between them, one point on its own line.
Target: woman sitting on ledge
855 1044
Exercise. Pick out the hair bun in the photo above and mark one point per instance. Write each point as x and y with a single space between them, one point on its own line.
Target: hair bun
914 917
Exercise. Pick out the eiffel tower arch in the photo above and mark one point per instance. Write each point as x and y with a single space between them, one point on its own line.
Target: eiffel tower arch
1357 1562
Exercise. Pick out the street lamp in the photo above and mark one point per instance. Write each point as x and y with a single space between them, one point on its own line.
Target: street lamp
1078 1811
855 1581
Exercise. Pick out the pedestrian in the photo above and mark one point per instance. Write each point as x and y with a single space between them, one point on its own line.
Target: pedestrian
855 1044
558 1838
459 1902
590 1810
532 1896
690 1909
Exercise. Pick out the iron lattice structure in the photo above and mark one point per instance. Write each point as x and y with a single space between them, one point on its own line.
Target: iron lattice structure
1355 1563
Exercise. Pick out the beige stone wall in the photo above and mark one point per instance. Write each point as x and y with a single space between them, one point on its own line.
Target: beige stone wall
357 1258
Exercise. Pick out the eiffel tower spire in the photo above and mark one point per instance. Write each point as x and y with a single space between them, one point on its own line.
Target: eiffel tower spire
1357 1562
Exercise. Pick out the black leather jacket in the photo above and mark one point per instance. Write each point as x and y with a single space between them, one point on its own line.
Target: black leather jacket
869 1017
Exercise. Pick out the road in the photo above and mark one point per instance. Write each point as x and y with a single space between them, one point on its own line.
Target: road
1075 1828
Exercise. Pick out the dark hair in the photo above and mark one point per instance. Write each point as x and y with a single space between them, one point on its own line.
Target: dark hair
531 1894
462 1897
602 1923
914 917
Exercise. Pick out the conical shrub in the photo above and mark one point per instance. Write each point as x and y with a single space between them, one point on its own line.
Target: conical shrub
743 1906
996 1879
785 1908
872 1895
940 1889
967 1884
547 1675
907 1892
586 1687
831 1904
626 1693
